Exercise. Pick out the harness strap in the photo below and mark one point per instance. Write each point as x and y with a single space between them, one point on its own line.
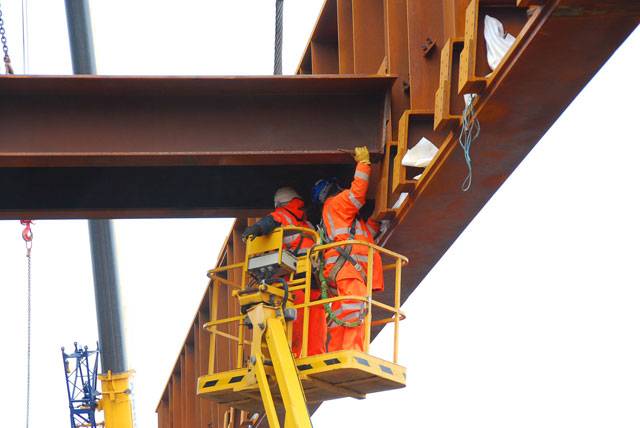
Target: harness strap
344 255
325 290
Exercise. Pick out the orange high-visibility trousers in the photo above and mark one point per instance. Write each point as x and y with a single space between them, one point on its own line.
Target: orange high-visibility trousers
317 337
349 283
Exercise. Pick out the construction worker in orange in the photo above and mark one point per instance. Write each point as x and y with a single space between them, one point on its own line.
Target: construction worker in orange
290 211
345 268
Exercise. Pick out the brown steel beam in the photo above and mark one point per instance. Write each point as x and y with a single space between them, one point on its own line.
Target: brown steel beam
187 121
118 147
558 52
192 362
563 49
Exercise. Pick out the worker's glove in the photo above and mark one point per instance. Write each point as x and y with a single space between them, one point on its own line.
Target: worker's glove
361 154
251 232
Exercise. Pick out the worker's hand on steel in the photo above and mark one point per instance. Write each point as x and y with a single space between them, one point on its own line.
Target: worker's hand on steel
361 154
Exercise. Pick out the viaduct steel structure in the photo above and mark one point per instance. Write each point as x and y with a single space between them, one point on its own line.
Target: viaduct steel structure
381 73
436 51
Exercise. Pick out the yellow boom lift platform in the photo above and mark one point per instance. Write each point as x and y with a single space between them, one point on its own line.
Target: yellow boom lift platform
267 377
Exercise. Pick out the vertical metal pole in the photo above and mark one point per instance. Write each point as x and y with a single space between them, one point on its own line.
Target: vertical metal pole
80 36
105 279
277 57
105 283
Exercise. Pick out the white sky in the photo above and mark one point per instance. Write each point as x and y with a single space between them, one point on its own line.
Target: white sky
530 319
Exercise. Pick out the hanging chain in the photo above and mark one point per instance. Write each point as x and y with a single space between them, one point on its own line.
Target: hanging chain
5 48
27 236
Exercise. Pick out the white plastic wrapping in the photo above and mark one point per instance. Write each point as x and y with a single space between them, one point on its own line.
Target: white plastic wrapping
498 43
421 154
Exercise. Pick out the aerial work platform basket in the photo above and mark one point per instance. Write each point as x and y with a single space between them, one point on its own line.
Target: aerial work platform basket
268 378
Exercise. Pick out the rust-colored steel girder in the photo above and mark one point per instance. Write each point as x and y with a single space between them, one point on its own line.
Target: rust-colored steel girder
566 43
117 147
560 45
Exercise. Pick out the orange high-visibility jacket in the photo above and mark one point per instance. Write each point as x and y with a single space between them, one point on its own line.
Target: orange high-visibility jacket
292 214
339 216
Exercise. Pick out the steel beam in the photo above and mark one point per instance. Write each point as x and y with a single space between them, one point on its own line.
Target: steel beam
126 121
522 101
116 147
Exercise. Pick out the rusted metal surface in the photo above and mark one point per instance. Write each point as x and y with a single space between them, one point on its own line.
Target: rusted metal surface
560 46
179 405
397 58
123 121
114 147
424 23
555 59
368 35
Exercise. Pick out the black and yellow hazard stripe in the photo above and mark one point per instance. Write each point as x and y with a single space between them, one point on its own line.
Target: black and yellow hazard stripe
310 367
220 381
351 359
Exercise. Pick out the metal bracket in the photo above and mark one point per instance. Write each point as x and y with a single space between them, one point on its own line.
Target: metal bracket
427 47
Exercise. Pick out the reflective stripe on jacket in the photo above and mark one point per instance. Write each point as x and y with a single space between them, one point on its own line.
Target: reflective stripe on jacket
339 216
292 214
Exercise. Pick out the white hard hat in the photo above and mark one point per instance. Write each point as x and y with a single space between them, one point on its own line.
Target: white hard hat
284 195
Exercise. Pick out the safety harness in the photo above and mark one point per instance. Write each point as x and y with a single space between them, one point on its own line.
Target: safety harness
344 255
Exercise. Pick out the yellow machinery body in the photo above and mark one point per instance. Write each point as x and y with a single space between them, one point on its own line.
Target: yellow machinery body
267 377
116 399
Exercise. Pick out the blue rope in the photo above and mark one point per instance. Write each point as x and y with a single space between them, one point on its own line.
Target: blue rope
469 131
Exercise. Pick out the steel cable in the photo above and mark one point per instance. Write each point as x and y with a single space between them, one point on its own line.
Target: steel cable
28 333
27 236
277 57
469 131
25 36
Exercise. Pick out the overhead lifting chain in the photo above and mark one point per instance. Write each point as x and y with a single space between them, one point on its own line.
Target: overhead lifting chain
27 236
5 49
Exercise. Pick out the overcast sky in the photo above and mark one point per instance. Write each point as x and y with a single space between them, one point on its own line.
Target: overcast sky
530 319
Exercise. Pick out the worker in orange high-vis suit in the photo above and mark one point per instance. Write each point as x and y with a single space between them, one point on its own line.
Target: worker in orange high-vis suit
290 211
345 268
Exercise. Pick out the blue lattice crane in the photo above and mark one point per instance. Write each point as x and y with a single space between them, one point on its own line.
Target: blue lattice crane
81 373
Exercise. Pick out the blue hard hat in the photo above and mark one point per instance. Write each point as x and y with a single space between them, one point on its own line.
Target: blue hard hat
321 189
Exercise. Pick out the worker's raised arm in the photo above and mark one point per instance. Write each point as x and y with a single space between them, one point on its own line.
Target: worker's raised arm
354 198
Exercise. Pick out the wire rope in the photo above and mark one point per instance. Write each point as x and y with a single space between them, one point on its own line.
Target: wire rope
277 57
28 335
27 236
469 131
25 36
